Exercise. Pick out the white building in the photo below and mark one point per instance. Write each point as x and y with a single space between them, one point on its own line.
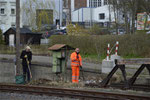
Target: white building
7 14
30 6
96 11
28 12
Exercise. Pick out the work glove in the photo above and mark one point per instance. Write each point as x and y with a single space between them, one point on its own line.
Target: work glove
28 62
80 67
25 56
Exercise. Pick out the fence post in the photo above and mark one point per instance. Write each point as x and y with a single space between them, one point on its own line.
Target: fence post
117 45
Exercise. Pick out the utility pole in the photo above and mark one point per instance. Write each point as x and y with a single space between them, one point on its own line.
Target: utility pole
59 15
18 66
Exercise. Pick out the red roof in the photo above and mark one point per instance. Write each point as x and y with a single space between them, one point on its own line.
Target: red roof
60 46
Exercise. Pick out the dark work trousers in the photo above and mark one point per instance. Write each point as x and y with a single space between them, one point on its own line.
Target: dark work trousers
26 72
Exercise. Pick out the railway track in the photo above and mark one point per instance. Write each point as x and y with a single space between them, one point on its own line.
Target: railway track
138 87
71 93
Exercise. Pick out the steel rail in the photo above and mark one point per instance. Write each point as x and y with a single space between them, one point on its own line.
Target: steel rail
137 87
134 87
70 92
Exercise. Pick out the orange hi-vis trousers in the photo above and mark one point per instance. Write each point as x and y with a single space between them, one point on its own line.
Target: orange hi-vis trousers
75 74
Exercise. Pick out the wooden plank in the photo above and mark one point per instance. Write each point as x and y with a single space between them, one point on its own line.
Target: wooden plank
133 61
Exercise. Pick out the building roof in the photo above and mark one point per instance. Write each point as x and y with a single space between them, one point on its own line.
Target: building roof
22 31
60 46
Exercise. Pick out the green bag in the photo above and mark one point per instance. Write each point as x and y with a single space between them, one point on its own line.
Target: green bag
20 79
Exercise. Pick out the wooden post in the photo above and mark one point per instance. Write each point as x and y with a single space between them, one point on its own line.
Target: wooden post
18 67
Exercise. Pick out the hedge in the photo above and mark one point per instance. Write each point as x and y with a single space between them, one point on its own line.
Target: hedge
129 45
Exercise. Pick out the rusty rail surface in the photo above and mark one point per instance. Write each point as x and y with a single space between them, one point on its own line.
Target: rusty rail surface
137 87
133 61
81 94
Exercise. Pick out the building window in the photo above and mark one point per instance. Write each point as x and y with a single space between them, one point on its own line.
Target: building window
101 16
99 3
2 11
90 3
95 3
105 2
13 25
12 11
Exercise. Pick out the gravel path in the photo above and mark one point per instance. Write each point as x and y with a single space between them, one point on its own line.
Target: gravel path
48 59
16 96
86 65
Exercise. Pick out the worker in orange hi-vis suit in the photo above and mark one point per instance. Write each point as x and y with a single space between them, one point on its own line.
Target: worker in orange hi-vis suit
76 63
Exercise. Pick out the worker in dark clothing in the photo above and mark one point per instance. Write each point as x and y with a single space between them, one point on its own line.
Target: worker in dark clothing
26 57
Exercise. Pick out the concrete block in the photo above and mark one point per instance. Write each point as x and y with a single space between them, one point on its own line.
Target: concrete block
107 66
113 57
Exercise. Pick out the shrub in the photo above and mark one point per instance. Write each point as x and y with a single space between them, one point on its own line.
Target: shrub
129 45
76 30
95 30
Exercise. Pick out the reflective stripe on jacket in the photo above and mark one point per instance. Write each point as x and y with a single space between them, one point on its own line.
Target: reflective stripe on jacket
74 60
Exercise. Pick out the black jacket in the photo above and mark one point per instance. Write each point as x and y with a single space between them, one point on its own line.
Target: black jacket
29 57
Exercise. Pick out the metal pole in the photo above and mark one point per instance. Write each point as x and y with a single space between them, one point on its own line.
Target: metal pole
78 11
78 16
59 14
18 68
109 14
90 13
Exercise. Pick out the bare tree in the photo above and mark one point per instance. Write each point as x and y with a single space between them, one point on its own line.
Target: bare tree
129 9
125 13
145 6
115 7
109 9
132 5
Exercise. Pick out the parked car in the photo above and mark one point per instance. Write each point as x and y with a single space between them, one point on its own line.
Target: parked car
120 31
55 32
148 32
63 27
47 27
59 32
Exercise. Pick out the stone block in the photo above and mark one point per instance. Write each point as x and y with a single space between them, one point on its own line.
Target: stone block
113 57
107 66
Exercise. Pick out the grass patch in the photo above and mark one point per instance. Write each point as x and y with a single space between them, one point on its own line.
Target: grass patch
132 56
93 47
93 58
130 46
141 31
36 49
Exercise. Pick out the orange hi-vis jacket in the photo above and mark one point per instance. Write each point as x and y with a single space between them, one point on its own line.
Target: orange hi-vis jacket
74 60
